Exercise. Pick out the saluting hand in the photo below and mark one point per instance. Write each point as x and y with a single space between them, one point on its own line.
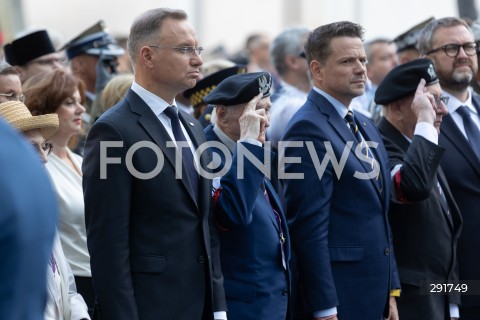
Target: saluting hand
252 121
423 104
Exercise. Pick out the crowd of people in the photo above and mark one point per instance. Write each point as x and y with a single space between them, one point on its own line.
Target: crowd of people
318 177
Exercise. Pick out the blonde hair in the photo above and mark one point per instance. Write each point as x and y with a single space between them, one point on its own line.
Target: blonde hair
115 90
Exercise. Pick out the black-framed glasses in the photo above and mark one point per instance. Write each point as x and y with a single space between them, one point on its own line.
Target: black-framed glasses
12 96
185 49
45 147
452 49
439 99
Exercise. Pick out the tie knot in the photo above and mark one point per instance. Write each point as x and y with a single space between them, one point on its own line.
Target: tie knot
349 116
171 112
464 111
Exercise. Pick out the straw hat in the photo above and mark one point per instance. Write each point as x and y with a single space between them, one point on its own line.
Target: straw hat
18 115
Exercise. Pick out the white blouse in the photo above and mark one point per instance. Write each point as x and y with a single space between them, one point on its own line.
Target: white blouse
71 226
64 303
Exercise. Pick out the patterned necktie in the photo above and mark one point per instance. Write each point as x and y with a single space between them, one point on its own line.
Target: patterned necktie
471 129
350 118
187 154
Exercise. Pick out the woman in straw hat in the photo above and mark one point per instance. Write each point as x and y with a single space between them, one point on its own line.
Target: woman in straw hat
63 300
60 92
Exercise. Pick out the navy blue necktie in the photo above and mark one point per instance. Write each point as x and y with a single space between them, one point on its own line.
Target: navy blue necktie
187 154
350 118
471 129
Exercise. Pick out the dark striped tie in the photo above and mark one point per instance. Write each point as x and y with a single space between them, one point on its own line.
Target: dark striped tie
471 129
350 118
187 154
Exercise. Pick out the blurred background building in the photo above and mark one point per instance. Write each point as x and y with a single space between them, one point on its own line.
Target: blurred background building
224 25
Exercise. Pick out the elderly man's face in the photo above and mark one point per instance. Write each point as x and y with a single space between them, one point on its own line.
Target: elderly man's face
233 114
409 120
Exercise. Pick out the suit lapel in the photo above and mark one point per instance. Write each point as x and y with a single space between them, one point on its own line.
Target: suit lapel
340 126
455 218
154 128
450 131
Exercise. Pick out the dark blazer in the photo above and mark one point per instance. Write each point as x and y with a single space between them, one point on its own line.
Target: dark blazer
154 254
28 218
256 283
425 231
462 170
338 223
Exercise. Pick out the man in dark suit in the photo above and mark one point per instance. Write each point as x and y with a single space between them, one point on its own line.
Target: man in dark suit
28 216
425 219
154 254
337 202
449 43
252 226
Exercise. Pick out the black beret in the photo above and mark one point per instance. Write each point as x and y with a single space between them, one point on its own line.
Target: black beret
409 38
240 89
403 80
210 82
27 48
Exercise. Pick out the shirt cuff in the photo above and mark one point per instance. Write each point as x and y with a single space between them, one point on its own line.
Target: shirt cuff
426 130
454 312
251 141
220 315
325 313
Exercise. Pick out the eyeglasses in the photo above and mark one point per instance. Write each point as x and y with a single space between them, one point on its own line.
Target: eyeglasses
50 62
185 50
452 49
12 96
45 147
441 99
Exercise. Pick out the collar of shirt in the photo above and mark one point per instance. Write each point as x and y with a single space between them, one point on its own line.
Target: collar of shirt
154 102
454 103
339 107
225 139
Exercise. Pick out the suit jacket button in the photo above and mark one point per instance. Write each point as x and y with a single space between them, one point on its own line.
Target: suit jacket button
201 259
284 292
386 251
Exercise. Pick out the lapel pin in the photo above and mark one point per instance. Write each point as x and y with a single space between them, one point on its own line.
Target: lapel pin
191 124
364 124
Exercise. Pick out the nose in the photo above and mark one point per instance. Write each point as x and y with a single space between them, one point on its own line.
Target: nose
441 109
80 108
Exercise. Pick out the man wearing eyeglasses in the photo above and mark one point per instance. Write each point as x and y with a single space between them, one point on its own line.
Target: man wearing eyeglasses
449 42
153 247
33 53
425 220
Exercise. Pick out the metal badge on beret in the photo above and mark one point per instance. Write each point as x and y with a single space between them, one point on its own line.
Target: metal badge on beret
431 72
264 84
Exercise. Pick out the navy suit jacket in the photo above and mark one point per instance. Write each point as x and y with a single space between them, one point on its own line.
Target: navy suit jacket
28 218
338 223
256 283
462 169
154 254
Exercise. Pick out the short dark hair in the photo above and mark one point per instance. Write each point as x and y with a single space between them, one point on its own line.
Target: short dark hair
318 42
147 26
